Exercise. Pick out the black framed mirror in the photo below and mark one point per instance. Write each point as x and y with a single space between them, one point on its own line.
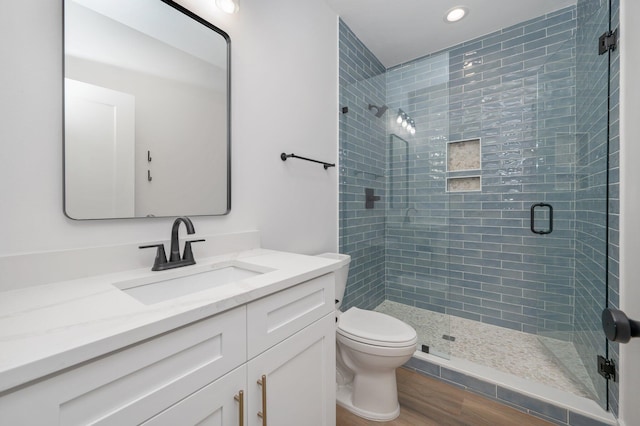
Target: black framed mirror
146 111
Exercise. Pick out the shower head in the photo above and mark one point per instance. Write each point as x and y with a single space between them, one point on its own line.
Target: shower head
379 109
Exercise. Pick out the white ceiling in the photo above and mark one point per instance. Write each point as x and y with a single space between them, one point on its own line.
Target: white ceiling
398 31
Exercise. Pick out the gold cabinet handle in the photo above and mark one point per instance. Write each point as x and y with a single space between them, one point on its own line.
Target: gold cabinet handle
263 414
240 398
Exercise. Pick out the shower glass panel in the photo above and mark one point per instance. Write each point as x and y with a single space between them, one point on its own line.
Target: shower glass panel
419 233
399 247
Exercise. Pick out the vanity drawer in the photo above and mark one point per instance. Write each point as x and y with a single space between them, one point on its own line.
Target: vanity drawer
278 316
130 386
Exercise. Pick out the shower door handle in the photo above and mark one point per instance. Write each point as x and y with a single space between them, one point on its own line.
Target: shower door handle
533 218
618 327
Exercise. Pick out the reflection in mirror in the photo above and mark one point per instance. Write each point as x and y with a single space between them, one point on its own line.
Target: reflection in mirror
146 111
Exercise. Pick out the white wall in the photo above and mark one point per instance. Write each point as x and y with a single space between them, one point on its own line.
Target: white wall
629 206
284 98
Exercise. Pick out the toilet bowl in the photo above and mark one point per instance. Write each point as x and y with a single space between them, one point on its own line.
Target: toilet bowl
369 347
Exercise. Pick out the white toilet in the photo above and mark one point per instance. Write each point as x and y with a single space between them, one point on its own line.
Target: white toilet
370 346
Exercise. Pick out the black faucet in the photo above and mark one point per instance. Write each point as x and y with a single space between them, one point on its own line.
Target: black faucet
175 261
175 244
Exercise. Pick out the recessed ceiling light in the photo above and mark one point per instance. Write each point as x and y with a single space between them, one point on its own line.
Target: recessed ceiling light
456 14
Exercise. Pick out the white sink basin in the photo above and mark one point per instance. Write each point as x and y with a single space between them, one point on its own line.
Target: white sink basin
150 290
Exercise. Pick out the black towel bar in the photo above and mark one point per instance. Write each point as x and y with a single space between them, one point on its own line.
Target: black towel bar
284 157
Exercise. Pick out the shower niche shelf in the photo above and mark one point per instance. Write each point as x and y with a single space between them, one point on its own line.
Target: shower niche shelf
463 155
464 184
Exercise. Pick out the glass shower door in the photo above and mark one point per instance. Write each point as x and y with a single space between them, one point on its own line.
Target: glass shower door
568 240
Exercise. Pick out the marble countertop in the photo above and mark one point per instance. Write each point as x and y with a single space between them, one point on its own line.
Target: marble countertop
47 328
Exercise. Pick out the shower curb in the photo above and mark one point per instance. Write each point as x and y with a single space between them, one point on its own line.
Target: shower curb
554 413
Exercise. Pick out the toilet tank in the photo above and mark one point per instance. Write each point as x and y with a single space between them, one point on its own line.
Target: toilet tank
341 274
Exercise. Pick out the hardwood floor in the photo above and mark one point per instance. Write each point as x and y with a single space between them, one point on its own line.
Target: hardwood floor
429 402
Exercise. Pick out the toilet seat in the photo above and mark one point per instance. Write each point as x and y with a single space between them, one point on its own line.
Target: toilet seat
375 329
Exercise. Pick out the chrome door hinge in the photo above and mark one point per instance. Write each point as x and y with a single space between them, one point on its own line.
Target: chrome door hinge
608 41
606 368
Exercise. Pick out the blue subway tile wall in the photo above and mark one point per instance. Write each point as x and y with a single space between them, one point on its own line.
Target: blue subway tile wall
472 253
362 164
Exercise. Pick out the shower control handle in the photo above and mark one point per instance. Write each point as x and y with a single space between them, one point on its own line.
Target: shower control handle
370 198
618 327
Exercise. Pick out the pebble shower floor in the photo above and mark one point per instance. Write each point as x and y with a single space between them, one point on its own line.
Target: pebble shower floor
497 347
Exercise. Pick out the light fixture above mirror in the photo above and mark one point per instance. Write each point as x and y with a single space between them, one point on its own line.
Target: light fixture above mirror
228 6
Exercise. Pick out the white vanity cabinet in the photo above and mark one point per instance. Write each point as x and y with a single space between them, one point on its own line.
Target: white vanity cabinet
195 374
290 374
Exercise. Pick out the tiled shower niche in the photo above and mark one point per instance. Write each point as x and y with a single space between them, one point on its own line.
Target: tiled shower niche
463 156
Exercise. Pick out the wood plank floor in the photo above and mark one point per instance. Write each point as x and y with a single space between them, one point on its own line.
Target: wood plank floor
429 402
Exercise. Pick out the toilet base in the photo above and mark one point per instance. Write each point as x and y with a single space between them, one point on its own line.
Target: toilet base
343 398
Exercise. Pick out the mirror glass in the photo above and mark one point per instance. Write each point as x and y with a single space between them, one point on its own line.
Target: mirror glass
146 116
398 172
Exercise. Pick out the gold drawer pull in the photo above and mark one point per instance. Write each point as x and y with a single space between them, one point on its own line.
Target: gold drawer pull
263 414
240 398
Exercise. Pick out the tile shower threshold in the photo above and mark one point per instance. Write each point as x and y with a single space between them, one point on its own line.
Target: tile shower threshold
550 403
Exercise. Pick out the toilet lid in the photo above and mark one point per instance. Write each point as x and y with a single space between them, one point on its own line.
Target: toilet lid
375 328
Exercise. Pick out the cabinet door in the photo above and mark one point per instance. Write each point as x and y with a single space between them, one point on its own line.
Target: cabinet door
300 379
216 404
